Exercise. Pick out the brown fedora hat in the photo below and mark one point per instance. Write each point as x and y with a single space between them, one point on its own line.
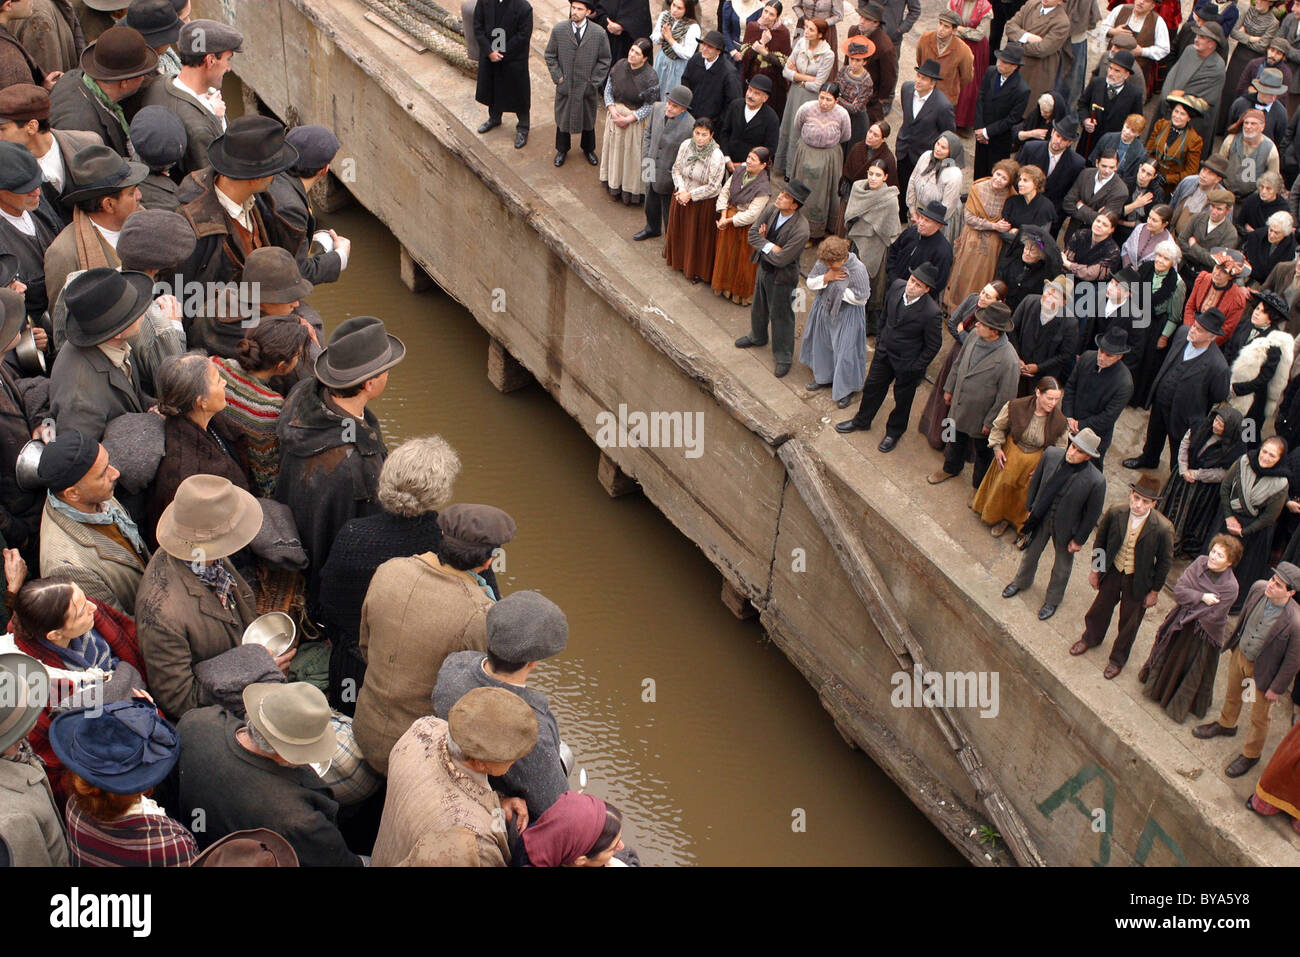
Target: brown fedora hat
100 170
120 53
276 274
1148 486
258 847
208 519
360 349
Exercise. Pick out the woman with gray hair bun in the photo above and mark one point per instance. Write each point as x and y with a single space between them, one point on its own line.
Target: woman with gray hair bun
1158 277
416 480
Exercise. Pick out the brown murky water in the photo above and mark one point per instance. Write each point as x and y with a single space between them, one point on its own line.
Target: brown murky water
713 770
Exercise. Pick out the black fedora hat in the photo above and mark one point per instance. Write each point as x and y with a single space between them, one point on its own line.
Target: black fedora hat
798 190
1067 126
762 82
714 39
1114 341
1012 53
1124 60
101 171
360 349
252 147
935 210
120 53
996 315
1211 320
927 273
931 69
102 302
1125 275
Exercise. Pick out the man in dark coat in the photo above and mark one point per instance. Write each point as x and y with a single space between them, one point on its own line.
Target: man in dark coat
909 339
1193 379
1099 388
29 224
1098 188
577 56
1108 100
926 114
922 242
1265 650
1135 545
749 122
670 125
291 219
1001 103
1065 500
1045 337
712 78
1061 164
25 119
503 30
331 442
625 22
20 509
777 238
112 68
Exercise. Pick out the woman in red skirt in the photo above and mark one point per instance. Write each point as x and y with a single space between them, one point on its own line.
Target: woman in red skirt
976 19
738 207
697 180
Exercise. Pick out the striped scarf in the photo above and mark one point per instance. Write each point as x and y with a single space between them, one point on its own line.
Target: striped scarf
254 409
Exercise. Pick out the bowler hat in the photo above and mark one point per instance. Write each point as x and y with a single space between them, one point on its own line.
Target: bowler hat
762 82
66 460
208 519
996 315
1211 320
857 46
1275 304
1087 441
120 53
711 39
359 349
273 273
681 95
872 11
316 146
294 719
24 692
526 626
1125 275
1194 105
1068 127
931 69
13 315
1216 164
1148 486
103 302
252 147
155 239
1012 53
1269 82
934 209
258 847
797 190
97 171
1211 30
208 36
493 725
159 137
21 102
125 747
1114 341
19 171
926 273
475 526
1124 59
156 20
1289 574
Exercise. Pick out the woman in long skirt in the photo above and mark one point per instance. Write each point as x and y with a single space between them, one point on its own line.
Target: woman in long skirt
871 225
697 179
938 178
976 19
1179 673
821 126
960 322
976 252
807 70
630 93
1279 786
1251 498
737 207
835 339
1191 497
1022 430
676 34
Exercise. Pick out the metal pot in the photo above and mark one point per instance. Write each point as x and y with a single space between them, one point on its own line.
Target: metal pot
31 360
275 631
29 459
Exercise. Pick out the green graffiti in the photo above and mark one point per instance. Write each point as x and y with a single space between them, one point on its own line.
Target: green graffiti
1150 834
1070 789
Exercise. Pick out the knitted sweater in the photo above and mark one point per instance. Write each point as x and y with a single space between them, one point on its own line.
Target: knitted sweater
252 410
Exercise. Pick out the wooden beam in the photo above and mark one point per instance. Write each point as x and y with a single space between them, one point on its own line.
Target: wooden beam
505 371
413 275
736 602
613 479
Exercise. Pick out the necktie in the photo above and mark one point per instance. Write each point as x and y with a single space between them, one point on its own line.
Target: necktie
577 34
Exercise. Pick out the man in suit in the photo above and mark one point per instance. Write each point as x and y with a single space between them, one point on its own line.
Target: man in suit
1136 546
1045 335
94 379
749 122
1199 72
670 125
778 238
1122 41
926 114
1207 231
1099 388
1097 188
625 21
25 119
909 340
711 78
1002 101
922 242
113 68
577 56
503 31
1043 29
1265 650
1108 101
1065 499
1192 380
1061 164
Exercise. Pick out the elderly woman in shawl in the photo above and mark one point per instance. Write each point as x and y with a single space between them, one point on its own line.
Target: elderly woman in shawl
938 176
871 222
976 252
1251 498
1179 672
835 340
1191 497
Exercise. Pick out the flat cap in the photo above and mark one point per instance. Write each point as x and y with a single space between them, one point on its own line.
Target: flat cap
1289 574
316 146
1124 41
19 172
526 626
1220 196
208 36
158 136
476 525
67 459
22 102
492 724
948 16
155 239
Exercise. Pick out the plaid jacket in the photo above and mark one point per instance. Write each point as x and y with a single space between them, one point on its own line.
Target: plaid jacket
136 840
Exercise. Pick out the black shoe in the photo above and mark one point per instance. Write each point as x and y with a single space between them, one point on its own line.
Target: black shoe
559 159
782 370
1137 463
1240 766
1213 730
592 158
490 125
1011 591
887 444
646 233
746 342
814 386
521 139
845 402
850 426
1046 612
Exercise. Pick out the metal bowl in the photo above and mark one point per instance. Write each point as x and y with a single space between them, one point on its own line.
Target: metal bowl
29 458
275 631
30 359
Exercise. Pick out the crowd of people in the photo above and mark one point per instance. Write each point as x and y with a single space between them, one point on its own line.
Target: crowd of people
240 630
